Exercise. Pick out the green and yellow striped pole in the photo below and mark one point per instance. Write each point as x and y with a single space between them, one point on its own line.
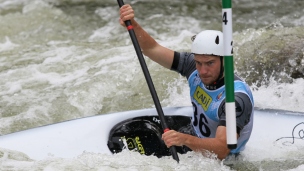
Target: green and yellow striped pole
229 75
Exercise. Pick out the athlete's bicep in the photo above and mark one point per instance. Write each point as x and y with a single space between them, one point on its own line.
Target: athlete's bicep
243 109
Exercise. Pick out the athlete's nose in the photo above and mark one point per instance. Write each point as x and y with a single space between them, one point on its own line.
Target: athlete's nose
202 70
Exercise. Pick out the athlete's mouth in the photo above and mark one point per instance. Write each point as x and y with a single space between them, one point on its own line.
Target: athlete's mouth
205 77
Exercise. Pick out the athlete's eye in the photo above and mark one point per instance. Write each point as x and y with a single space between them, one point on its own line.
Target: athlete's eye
198 63
210 63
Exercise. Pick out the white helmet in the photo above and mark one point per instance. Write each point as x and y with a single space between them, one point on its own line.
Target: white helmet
208 42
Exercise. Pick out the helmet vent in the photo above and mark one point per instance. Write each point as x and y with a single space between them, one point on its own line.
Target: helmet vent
217 40
193 37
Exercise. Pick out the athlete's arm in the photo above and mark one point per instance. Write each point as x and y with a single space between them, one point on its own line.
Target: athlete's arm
149 46
243 111
217 145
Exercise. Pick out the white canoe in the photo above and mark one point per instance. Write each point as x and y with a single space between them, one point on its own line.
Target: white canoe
272 129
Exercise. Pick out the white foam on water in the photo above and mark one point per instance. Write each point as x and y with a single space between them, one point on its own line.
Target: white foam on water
34 5
299 168
126 160
7 45
283 96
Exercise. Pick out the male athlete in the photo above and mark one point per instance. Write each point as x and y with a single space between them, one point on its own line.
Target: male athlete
203 68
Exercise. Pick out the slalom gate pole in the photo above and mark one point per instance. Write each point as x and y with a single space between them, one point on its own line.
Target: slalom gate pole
148 80
229 75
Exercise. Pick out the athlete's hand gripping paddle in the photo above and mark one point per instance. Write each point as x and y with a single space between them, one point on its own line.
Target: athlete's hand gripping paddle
149 80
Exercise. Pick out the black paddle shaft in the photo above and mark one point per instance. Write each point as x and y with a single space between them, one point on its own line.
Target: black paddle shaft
148 80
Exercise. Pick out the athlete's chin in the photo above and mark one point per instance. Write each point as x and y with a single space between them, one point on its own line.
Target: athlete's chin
207 81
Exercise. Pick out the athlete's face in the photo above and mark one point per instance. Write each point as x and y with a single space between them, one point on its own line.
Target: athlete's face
208 67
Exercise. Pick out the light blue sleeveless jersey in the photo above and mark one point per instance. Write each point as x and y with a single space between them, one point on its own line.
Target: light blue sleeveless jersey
206 105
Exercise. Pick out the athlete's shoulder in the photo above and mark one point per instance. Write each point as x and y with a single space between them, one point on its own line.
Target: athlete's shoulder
239 82
183 63
238 78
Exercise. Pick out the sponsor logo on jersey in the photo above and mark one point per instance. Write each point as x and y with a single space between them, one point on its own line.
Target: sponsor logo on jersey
219 96
202 98
197 80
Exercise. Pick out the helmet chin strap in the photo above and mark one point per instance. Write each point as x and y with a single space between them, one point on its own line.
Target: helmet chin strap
221 71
